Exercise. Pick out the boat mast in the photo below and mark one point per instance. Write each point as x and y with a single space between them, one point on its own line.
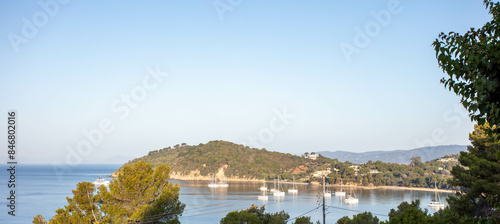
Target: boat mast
324 217
435 192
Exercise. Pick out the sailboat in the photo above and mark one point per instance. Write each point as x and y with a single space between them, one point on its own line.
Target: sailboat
263 196
277 191
263 188
100 182
351 198
213 183
294 189
436 204
328 194
341 192
274 188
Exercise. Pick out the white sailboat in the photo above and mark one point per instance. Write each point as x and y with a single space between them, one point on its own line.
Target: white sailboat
341 192
213 183
274 188
263 196
328 193
263 188
351 198
277 191
326 190
100 182
436 203
294 189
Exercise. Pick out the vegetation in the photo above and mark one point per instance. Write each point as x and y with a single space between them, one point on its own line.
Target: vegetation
140 193
256 215
250 163
39 219
472 64
242 161
361 218
415 174
478 176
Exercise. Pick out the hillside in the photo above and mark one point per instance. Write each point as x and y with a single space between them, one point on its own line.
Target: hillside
224 159
242 163
396 156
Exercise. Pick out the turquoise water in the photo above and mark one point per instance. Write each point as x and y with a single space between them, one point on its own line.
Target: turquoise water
41 189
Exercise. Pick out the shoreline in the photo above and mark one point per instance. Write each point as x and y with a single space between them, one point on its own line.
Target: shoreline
242 180
176 176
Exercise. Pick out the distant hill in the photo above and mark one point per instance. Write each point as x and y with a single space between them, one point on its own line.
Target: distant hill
234 162
224 160
396 156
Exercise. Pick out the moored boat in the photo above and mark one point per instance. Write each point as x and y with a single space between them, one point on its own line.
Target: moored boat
436 203
101 181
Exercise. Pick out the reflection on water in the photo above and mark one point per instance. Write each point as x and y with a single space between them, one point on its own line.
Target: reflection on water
209 205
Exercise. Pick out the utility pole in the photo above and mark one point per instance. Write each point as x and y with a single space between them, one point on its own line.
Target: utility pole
324 200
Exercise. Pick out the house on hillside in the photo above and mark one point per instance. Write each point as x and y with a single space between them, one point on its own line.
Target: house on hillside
322 173
355 168
444 160
313 157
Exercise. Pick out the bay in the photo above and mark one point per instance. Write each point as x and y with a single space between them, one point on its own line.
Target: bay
41 189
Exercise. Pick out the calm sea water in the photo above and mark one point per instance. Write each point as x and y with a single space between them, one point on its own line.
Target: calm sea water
41 191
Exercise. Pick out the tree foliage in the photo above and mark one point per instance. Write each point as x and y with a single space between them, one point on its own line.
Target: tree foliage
303 220
472 62
361 218
408 213
139 193
478 176
255 215
245 162
83 207
241 161
39 219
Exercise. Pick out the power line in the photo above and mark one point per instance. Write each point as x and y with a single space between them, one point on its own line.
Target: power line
314 209
352 210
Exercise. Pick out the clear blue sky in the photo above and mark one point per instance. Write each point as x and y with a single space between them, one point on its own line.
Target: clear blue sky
230 71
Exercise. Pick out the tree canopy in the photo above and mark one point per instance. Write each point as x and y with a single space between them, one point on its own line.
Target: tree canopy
256 215
472 62
139 193
478 176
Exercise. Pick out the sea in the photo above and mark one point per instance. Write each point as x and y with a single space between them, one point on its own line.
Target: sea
42 189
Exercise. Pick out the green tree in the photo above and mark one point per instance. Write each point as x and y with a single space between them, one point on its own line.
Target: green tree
408 213
142 193
82 208
139 193
39 219
254 214
242 216
478 176
303 220
361 218
472 62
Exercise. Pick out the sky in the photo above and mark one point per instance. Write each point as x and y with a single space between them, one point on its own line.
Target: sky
108 81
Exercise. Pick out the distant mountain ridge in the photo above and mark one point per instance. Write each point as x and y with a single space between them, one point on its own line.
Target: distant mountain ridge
396 156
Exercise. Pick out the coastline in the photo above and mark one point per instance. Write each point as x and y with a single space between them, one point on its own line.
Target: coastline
194 176
200 178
